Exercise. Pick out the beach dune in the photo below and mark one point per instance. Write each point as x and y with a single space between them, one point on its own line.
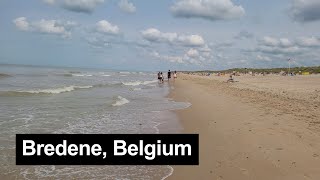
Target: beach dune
264 127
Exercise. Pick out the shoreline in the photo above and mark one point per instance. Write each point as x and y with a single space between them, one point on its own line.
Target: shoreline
247 133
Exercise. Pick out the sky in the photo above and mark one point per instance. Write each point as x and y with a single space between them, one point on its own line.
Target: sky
160 35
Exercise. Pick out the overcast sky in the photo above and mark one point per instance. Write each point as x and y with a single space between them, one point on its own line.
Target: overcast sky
160 35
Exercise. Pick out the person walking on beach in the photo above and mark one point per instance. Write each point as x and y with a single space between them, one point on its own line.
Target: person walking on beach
175 75
169 75
159 77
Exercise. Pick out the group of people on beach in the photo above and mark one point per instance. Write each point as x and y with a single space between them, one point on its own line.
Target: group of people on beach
161 76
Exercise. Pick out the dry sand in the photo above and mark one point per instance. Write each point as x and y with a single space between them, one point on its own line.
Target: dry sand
262 127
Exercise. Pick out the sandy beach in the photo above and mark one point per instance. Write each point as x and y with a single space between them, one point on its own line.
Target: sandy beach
262 127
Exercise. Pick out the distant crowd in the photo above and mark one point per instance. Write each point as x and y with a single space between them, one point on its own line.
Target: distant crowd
169 75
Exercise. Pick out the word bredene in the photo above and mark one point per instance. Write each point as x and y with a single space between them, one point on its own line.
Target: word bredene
61 149
151 150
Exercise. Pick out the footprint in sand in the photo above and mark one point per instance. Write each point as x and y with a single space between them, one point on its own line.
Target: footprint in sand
218 164
315 155
219 178
244 171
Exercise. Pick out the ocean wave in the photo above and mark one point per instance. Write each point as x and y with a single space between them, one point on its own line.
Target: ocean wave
2 75
121 101
82 75
57 90
44 91
137 83
106 75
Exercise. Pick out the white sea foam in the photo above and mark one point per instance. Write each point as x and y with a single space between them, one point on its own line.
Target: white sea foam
106 75
137 83
56 90
149 82
82 75
121 101
134 83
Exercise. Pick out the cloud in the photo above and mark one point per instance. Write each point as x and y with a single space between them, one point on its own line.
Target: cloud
264 58
191 56
172 59
309 41
98 42
277 46
282 48
80 6
55 27
186 49
126 6
21 23
244 35
305 10
193 53
105 27
154 35
207 9
282 42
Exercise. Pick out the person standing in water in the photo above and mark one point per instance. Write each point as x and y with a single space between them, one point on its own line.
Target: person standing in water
175 75
159 77
169 75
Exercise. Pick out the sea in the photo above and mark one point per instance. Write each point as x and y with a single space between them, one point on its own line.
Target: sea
54 100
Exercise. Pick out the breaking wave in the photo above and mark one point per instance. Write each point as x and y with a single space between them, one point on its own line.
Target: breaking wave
45 91
2 75
137 83
121 101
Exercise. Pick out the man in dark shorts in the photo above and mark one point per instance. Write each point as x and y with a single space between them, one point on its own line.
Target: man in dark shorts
169 75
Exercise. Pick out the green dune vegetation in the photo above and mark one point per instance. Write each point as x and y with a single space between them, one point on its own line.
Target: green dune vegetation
294 70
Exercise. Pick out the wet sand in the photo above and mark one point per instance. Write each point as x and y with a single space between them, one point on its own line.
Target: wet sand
257 128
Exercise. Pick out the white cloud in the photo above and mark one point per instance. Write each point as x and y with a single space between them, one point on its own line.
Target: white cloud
81 6
264 58
305 10
49 26
172 59
45 26
191 56
270 41
207 9
284 47
193 53
105 27
279 49
126 6
309 41
191 40
21 23
154 35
